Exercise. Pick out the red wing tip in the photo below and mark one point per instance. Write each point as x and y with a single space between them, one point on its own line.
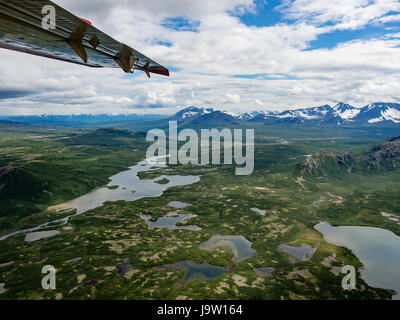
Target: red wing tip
87 21
159 70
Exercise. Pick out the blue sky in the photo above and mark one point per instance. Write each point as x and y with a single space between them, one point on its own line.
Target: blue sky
234 55
268 13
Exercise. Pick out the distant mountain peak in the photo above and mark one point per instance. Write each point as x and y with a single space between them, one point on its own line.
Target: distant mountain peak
378 112
256 115
216 118
191 113
342 106
339 114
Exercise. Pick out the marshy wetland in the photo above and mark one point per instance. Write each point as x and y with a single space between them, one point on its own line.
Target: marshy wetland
130 238
116 190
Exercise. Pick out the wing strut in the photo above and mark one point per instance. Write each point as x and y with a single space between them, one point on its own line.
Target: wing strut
75 41
125 59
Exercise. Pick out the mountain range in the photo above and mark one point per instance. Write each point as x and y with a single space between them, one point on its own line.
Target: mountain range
378 113
340 114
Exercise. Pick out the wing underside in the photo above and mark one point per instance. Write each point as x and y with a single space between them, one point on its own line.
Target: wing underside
73 39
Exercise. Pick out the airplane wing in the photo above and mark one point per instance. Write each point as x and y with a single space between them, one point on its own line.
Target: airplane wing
70 39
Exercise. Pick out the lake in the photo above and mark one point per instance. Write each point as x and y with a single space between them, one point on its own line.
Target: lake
34 236
240 246
125 185
170 222
303 252
266 271
377 249
195 271
130 187
178 204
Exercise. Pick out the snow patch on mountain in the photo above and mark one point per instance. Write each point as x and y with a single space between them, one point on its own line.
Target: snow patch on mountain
389 114
192 113
345 111
348 114
376 120
306 114
392 114
340 114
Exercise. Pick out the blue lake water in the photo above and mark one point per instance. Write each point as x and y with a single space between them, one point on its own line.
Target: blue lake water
130 188
378 250
240 246
170 222
195 271
303 252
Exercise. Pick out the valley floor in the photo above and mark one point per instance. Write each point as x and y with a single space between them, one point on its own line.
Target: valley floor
111 252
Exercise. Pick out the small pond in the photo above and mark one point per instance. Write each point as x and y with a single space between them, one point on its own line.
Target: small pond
266 271
34 236
170 222
178 204
304 252
262 212
240 246
195 271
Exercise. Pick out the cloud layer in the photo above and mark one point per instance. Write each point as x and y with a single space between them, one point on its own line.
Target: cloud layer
217 59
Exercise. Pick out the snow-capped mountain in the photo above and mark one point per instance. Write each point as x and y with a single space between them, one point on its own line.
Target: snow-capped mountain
340 114
379 112
316 114
345 111
191 113
255 115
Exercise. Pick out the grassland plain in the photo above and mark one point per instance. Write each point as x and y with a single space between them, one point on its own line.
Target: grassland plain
115 235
